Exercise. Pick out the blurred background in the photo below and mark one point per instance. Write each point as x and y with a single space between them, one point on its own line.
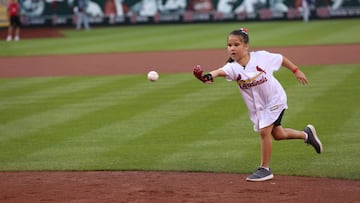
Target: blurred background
112 12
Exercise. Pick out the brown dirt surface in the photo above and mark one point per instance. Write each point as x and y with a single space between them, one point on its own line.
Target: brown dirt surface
163 62
31 33
140 186
136 186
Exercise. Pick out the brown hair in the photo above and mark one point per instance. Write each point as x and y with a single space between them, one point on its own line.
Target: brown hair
243 33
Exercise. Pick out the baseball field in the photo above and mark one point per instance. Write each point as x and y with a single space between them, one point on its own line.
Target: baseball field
79 121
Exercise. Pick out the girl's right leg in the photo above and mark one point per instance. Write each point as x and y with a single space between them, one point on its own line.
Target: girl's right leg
280 133
308 135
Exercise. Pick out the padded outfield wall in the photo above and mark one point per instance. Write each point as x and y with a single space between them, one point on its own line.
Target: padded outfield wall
61 12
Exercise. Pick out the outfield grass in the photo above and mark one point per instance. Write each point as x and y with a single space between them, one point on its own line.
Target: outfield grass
127 123
187 37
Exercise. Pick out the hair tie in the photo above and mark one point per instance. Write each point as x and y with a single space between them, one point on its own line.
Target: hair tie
244 30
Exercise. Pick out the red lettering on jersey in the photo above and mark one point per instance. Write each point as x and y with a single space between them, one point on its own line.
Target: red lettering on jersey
260 69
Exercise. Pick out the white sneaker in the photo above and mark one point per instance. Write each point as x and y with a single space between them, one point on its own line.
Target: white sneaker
8 38
17 38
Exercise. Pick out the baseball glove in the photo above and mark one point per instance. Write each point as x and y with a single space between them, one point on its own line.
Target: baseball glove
198 73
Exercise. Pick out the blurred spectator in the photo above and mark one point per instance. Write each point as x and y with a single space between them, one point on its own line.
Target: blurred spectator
54 7
93 8
307 5
225 6
201 6
13 11
246 6
121 7
32 8
148 8
115 8
336 4
110 10
278 6
172 6
249 6
81 14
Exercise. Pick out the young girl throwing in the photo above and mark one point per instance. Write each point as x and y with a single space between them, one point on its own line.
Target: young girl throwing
263 95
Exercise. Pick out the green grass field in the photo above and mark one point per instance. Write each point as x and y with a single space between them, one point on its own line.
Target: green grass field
124 122
187 37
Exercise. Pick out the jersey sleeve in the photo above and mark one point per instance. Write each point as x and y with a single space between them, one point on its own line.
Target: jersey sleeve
229 71
273 60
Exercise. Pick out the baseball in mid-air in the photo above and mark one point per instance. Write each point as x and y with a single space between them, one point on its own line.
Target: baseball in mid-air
153 76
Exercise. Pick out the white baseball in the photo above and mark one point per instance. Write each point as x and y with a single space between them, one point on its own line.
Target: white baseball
153 76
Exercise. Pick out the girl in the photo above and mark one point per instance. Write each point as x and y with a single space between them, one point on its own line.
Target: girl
263 95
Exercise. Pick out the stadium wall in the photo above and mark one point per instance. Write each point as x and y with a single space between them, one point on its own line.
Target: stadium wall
117 12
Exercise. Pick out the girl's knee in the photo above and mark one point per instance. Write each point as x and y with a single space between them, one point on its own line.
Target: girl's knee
278 134
277 137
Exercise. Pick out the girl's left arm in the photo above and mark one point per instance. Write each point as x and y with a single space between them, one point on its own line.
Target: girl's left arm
300 76
218 73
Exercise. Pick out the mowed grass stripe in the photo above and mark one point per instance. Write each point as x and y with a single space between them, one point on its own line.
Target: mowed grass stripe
154 39
10 93
48 97
9 84
116 132
188 127
329 91
327 33
317 106
340 110
343 141
78 118
323 80
36 122
39 92
272 36
189 35
297 33
218 146
118 38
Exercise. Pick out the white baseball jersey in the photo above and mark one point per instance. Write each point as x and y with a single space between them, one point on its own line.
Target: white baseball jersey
263 94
